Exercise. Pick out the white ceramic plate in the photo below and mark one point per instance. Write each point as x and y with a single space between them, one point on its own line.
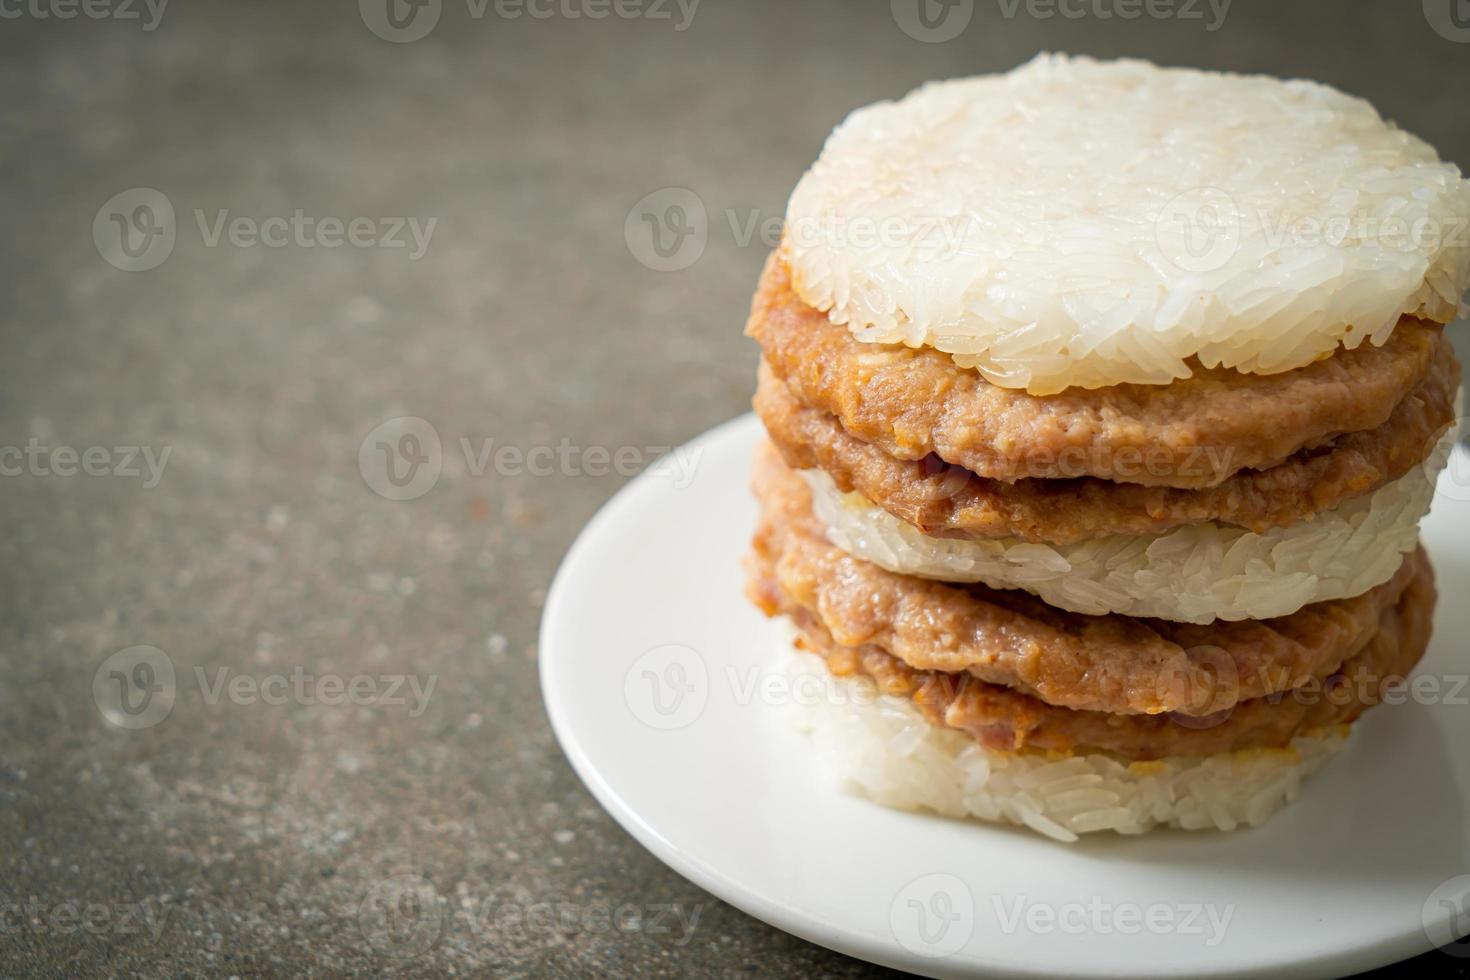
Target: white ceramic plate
653 670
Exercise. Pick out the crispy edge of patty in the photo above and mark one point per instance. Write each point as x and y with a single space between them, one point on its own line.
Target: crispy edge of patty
1194 433
1113 663
949 501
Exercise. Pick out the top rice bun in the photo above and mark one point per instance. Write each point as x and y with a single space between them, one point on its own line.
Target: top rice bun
1085 223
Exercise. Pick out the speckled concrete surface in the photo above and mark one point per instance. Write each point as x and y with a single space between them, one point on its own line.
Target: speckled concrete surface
236 836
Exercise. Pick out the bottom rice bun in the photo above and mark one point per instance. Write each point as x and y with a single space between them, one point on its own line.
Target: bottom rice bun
884 748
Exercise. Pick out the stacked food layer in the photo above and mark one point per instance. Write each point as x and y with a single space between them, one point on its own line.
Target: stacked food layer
1122 522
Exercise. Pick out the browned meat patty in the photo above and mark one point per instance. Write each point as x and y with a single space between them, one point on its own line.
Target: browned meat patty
1116 664
949 501
1192 433
1005 719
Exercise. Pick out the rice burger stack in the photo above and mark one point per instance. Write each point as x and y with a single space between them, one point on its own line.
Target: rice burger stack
1104 402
